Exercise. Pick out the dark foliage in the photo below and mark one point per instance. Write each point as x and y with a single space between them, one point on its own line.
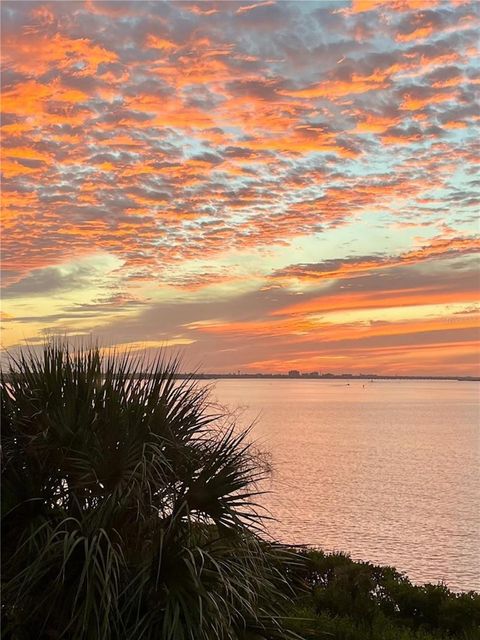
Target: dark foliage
128 507
356 600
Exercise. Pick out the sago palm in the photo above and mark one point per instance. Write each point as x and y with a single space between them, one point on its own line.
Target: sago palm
128 506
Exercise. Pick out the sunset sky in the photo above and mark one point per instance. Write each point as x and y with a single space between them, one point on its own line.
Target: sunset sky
260 185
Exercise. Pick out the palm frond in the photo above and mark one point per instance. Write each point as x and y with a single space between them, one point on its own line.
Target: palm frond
129 505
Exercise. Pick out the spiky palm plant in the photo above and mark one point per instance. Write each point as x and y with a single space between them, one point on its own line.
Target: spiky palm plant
128 507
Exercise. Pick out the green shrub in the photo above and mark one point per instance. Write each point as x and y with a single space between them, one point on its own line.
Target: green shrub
359 600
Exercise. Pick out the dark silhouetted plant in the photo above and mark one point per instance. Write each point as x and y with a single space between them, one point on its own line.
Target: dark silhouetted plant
128 506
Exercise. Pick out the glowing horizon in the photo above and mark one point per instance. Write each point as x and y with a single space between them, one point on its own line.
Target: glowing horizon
263 185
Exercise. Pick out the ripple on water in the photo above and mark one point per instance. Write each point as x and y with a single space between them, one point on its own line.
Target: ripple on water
387 471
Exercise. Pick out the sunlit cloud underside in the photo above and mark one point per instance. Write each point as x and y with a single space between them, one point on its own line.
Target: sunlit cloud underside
260 185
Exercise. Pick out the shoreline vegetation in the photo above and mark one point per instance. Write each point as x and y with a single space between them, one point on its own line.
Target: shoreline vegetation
129 510
337 597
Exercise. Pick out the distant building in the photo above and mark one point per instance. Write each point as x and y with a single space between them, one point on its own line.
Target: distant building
294 373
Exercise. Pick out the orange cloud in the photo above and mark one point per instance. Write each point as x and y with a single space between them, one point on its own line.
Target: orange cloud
352 301
36 52
337 88
411 103
401 6
374 124
417 34
251 7
155 42
300 329
25 152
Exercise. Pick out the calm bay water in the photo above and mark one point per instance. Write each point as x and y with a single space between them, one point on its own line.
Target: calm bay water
387 471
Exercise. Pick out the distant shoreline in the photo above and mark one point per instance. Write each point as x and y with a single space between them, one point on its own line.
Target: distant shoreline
304 376
307 376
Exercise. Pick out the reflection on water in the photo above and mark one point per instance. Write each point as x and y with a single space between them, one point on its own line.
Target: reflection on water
386 470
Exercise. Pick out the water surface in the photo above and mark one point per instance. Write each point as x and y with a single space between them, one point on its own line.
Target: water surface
388 470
